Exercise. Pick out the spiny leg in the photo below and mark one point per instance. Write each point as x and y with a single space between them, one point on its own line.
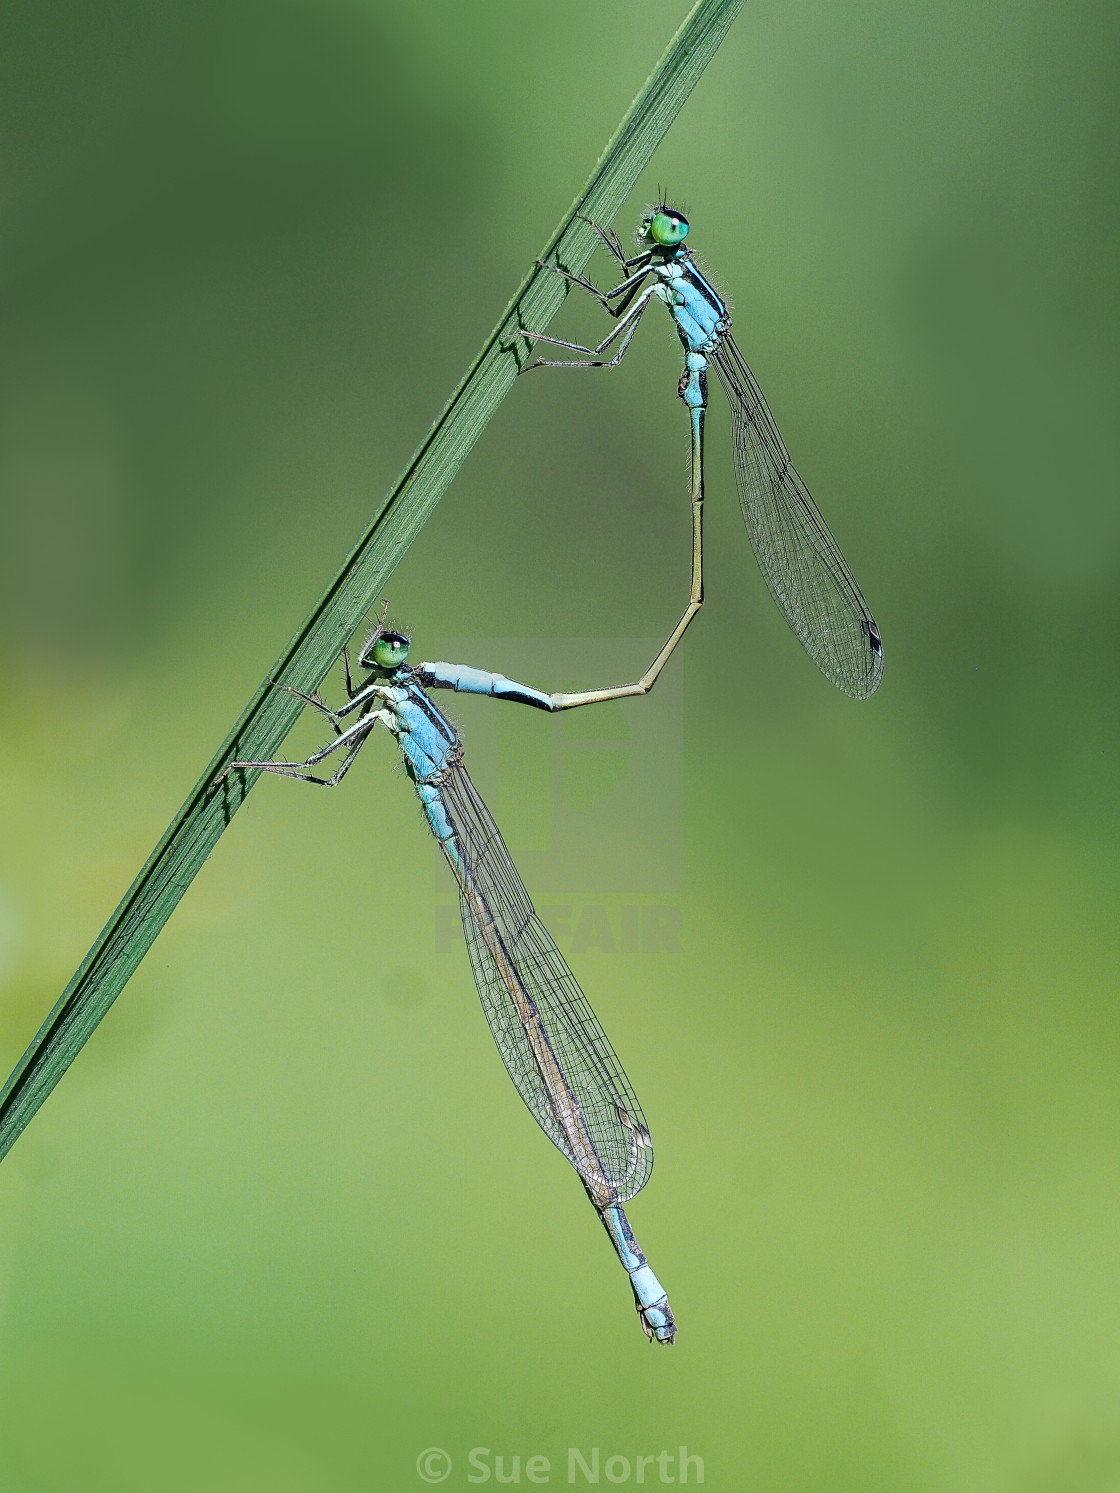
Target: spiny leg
354 696
625 329
583 281
628 313
614 244
316 700
291 769
354 739
592 361
609 237
628 287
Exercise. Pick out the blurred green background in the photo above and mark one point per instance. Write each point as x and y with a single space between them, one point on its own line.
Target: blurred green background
285 1224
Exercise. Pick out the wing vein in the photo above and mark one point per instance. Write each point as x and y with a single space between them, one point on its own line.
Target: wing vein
800 560
550 1039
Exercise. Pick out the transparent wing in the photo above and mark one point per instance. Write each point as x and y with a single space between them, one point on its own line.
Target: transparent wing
550 1039
807 575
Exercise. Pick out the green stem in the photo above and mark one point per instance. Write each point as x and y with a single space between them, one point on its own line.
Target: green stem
271 713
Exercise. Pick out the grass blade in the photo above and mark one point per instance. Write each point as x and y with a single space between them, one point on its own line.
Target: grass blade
271 713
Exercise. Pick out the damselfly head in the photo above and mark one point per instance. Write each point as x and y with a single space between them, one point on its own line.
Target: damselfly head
664 226
385 651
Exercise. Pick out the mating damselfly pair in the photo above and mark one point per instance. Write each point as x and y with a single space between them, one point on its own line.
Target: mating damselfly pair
554 1048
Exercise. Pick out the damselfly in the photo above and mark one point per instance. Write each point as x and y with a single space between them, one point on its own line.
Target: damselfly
804 569
550 1040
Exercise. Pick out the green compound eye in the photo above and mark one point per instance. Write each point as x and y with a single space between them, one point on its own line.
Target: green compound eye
390 650
667 228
